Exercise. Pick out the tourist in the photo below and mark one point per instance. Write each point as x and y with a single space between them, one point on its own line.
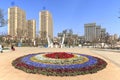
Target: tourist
1 49
12 48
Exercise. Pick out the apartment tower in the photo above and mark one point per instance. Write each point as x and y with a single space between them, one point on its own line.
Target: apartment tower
46 24
94 32
103 32
31 26
16 22
90 31
98 32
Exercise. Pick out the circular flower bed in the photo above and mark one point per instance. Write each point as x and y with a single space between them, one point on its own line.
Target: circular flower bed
59 64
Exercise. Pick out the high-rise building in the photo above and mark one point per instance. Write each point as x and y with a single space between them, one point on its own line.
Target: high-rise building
116 36
31 26
90 31
46 24
103 32
98 32
94 32
16 22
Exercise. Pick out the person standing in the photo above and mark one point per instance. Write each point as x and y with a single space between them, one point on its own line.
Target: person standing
12 48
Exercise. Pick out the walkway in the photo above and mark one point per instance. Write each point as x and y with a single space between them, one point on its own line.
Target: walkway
112 55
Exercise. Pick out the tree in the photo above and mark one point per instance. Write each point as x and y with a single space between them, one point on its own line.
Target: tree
94 42
3 22
1 36
43 38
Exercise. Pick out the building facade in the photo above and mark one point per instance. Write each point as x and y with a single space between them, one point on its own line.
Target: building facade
103 32
98 32
31 29
46 24
94 32
16 22
90 31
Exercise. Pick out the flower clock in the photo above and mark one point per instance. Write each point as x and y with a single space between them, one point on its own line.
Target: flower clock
59 64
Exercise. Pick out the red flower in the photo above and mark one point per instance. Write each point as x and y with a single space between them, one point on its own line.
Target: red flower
59 55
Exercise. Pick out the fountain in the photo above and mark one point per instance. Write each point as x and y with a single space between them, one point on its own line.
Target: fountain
50 43
62 44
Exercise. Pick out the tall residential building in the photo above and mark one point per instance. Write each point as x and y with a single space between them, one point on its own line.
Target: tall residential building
103 32
46 24
98 32
16 22
116 36
31 29
90 31
94 32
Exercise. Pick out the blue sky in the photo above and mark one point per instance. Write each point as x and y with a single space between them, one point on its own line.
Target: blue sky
71 14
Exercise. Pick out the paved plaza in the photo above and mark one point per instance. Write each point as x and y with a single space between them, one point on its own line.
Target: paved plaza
8 72
112 55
